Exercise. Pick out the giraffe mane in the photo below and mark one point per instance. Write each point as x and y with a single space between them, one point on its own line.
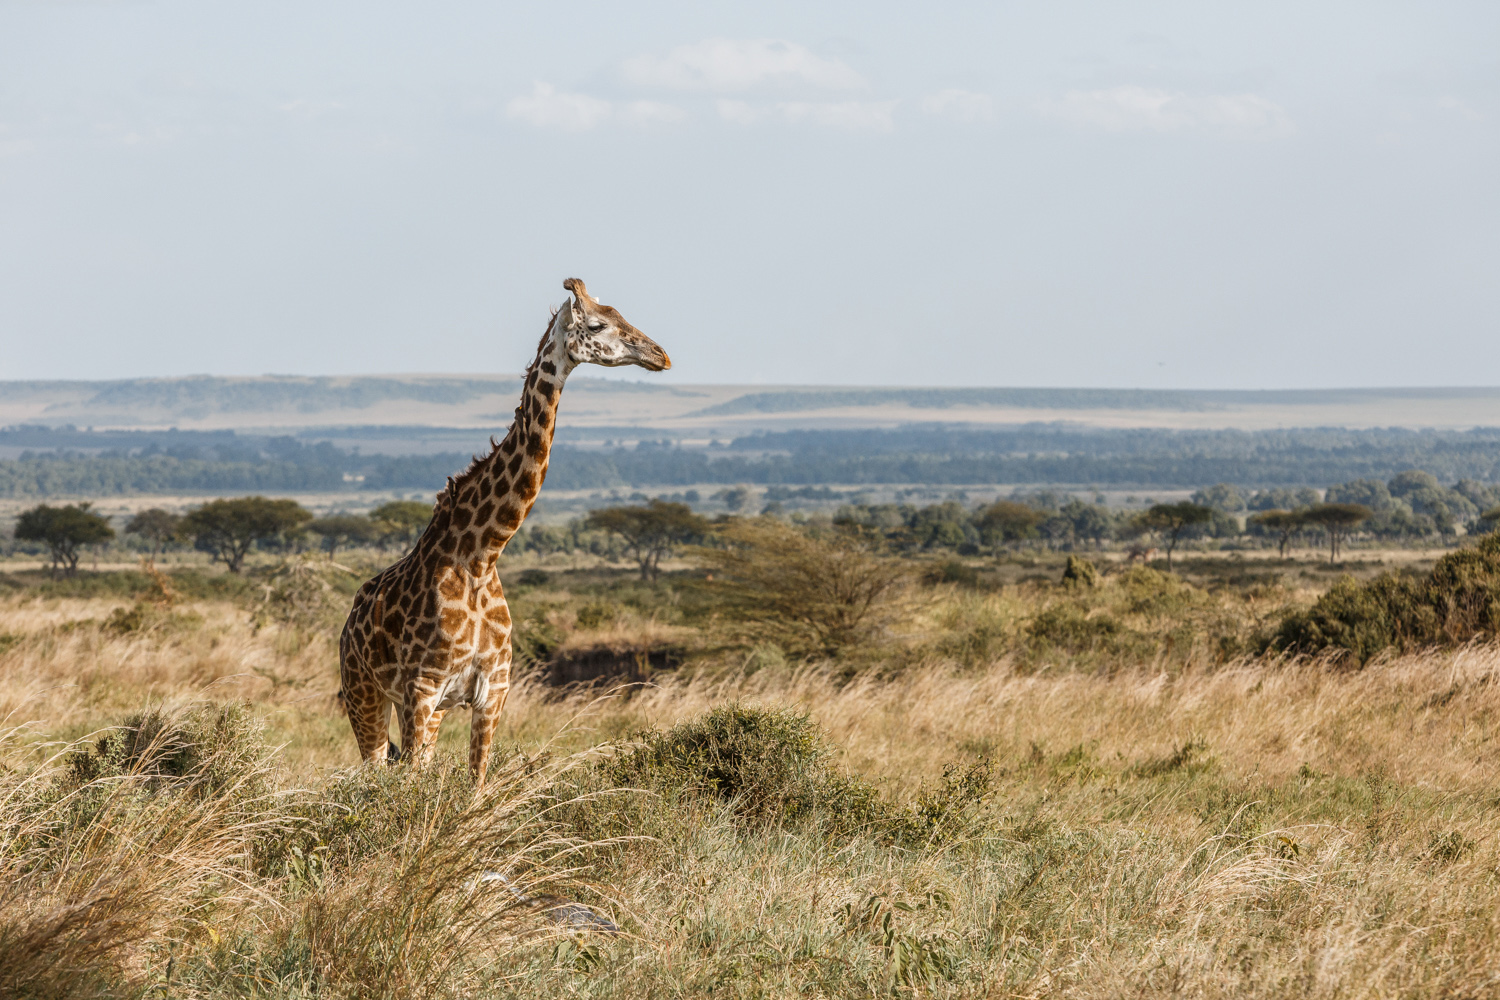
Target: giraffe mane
455 483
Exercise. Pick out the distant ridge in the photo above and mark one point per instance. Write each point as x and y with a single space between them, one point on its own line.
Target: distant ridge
1185 400
1040 399
202 394
293 403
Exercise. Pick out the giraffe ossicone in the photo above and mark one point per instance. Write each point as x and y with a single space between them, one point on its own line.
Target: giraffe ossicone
431 632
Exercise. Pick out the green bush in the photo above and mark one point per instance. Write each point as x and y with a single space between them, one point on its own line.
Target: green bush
943 811
767 765
142 617
1457 602
1152 593
362 812
976 644
215 747
1070 628
1080 573
952 571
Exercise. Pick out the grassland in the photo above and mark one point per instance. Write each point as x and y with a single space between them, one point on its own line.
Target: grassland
992 798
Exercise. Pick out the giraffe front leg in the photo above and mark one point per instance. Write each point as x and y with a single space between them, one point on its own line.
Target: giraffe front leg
482 726
428 746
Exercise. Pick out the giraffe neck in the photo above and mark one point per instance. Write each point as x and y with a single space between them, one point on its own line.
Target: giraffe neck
492 498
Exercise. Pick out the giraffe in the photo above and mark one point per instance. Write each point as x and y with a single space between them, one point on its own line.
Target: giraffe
431 632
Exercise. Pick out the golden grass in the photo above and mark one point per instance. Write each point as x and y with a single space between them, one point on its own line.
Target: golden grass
1262 829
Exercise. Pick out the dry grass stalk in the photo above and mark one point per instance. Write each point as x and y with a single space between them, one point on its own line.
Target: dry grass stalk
92 872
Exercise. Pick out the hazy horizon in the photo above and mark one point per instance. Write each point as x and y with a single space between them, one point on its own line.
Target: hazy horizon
1136 195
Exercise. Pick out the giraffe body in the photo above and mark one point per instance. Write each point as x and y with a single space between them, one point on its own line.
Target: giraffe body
431 633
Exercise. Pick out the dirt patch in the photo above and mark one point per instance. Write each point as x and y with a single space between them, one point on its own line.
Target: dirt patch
607 664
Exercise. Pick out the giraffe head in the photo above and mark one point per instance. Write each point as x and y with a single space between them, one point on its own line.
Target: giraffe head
598 335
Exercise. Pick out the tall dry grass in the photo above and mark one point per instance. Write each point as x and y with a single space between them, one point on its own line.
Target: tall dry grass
1184 827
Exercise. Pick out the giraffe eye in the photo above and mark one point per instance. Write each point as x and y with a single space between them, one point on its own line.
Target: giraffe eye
596 326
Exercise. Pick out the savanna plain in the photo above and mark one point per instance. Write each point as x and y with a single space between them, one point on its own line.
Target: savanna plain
1015 775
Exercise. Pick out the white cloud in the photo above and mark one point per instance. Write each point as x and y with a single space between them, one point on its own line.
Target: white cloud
547 107
652 113
852 116
729 65
960 105
1146 109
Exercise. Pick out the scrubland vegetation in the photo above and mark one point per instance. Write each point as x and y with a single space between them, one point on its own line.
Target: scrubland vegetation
844 766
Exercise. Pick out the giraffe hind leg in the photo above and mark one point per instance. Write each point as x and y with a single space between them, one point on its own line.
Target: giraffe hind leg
370 717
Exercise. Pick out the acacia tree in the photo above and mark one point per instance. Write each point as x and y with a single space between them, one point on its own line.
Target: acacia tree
1283 523
1489 520
401 521
1338 519
340 530
1170 520
156 526
813 595
650 532
1007 521
64 530
230 528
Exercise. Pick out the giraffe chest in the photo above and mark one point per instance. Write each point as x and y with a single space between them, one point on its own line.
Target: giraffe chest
472 612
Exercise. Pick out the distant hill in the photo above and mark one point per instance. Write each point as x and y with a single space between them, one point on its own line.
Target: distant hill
1038 399
295 403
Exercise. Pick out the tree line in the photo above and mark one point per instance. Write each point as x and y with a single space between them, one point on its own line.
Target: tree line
1412 504
221 462
228 529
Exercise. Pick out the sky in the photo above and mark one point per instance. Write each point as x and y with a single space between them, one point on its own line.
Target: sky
1195 195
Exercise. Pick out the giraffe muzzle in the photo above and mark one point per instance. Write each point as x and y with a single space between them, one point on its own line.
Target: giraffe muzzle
651 357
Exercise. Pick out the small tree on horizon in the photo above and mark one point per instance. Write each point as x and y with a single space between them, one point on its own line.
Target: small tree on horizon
1490 519
157 526
342 530
1282 523
228 529
64 530
1170 520
650 532
402 521
1006 521
1338 519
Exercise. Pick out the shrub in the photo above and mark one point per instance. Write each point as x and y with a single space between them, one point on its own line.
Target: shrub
1151 593
1457 602
303 593
812 596
952 571
216 747
939 813
768 765
1080 573
142 617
